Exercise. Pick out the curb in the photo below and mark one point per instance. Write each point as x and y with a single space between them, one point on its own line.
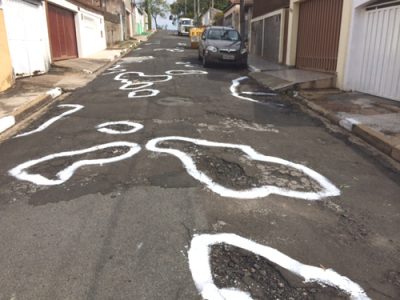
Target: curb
28 108
368 134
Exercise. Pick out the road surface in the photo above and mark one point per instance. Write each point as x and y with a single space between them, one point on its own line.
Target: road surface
109 211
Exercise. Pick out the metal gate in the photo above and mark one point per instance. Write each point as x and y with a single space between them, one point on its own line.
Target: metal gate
380 70
318 34
62 33
24 23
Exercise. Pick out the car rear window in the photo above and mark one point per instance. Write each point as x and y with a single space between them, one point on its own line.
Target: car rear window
222 34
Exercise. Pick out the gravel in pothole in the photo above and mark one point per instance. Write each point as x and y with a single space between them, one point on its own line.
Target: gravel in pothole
233 169
233 267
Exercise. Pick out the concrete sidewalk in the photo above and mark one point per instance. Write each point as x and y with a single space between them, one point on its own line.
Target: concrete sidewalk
31 94
281 78
375 120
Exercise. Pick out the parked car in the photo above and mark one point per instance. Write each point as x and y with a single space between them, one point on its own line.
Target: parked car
184 25
222 45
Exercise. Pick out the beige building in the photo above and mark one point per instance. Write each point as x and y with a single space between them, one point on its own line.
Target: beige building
6 71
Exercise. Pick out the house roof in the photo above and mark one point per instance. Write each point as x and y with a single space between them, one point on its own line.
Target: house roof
247 3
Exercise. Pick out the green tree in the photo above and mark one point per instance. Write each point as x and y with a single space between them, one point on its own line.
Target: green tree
178 7
155 9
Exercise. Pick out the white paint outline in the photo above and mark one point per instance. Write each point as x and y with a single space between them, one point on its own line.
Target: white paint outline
151 93
234 91
103 127
65 174
186 64
199 263
114 70
259 93
130 86
186 72
141 85
169 49
328 189
75 108
141 74
135 59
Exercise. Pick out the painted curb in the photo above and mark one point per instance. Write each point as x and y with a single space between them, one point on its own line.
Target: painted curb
31 107
368 134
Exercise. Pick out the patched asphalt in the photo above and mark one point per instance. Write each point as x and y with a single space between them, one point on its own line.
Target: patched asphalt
122 230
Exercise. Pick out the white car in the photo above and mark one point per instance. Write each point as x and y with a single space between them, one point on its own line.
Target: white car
184 25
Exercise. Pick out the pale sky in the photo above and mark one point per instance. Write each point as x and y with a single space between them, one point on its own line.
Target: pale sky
166 21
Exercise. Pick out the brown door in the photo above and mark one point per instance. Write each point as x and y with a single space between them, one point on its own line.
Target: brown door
62 33
318 34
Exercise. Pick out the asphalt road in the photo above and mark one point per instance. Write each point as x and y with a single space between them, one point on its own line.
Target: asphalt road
122 229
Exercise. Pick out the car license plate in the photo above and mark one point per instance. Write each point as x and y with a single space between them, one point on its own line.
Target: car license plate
228 57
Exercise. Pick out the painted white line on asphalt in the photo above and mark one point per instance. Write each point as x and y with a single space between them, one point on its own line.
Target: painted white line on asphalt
186 72
142 75
103 127
135 85
135 59
258 93
327 188
234 89
6 122
20 172
75 108
114 70
186 64
199 263
143 93
169 49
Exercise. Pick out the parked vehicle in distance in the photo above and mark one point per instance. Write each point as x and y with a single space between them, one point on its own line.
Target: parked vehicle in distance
184 25
220 44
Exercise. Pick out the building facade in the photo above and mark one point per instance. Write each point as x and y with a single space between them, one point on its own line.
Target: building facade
268 30
6 70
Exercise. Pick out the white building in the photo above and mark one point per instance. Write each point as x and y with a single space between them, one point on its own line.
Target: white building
28 40
86 31
73 31
373 53
208 17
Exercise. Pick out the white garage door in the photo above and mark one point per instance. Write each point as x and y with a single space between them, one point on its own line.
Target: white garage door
25 21
380 71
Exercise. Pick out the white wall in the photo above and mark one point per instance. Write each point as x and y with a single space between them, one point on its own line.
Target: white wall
373 64
27 36
89 27
90 32
357 31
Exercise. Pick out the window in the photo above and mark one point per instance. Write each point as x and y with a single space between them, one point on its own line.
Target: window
222 34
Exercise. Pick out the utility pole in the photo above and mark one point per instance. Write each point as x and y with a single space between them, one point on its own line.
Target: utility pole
185 8
194 10
198 8
242 21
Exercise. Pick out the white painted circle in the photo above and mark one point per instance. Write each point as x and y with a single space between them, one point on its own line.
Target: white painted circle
186 72
103 127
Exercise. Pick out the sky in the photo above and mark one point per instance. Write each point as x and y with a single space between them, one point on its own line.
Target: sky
166 21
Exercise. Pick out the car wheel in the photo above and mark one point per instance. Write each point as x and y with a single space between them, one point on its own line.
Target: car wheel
205 61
